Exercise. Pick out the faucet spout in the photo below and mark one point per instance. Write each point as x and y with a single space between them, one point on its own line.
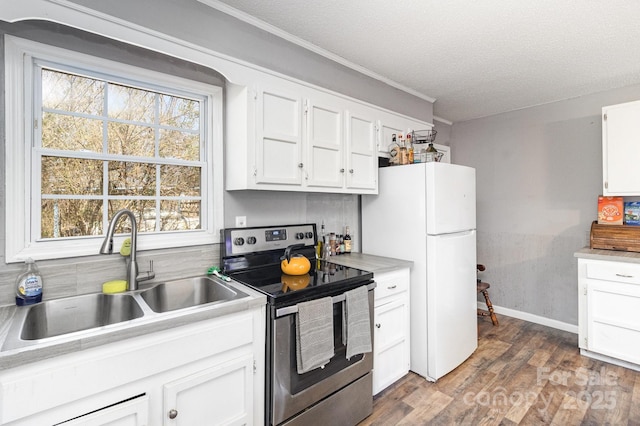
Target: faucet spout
107 246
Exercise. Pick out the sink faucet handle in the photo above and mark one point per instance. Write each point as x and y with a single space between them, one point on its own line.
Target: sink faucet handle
148 275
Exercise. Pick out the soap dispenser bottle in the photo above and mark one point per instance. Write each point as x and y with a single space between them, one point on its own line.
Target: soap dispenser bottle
29 285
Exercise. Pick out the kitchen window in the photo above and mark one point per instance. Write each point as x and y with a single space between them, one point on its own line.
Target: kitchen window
99 136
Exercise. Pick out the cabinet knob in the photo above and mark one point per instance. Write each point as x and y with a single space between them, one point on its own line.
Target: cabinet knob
341 170
300 165
378 325
173 414
351 171
391 287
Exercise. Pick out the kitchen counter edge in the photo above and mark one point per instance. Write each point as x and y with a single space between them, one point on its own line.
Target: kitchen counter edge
610 255
370 262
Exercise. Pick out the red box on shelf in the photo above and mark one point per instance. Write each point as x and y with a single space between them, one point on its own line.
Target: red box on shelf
610 210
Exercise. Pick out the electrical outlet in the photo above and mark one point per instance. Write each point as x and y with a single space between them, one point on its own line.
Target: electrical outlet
241 221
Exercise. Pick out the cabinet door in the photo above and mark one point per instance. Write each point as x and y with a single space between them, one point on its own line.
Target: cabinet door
362 158
133 412
391 348
612 319
325 145
279 137
620 149
220 395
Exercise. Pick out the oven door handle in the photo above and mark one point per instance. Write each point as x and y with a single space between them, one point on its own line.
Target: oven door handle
288 310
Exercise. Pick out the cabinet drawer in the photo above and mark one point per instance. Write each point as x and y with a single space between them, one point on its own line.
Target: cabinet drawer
391 283
615 341
614 271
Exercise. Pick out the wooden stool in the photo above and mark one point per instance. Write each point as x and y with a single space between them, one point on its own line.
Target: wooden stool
483 288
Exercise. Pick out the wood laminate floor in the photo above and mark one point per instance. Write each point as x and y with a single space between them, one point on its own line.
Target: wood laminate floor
521 374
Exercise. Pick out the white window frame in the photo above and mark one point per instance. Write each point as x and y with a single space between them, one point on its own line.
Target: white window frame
20 241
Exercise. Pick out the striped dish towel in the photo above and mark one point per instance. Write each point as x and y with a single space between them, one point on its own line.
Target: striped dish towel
314 334
356 325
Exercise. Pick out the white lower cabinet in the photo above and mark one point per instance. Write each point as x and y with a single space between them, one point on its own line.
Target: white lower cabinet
391 328
229 395
132 412
210 372
609 302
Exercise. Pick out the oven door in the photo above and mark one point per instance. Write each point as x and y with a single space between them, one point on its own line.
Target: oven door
291 392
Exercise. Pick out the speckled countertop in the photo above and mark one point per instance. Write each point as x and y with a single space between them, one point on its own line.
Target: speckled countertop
369 262
611 255
61 345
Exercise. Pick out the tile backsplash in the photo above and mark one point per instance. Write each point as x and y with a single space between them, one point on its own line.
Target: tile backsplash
70 277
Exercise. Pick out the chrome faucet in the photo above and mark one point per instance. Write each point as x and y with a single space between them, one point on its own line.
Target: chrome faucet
132 264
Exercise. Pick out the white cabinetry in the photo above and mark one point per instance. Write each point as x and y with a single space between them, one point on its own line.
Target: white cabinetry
209 372
391 328
133 412
609 302
620 149
325 144
222 394
279 137
299 139
286 136
362 158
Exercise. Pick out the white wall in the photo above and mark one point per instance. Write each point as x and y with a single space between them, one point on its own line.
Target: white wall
539 172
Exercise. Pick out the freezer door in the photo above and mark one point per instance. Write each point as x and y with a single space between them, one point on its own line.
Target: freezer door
452 328
451 198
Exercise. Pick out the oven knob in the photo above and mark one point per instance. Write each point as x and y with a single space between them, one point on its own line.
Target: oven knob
251 240
299 236
309 235
238 241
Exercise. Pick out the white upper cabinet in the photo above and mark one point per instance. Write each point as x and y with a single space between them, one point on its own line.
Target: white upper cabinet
286 136
279 137
362 156
282 135
325 146
621 149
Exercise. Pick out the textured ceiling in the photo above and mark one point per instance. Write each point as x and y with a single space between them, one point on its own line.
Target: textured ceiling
476 58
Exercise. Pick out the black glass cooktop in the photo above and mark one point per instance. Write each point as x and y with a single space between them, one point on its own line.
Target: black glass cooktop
324 279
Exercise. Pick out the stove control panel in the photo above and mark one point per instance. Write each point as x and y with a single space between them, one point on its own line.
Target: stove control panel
239 241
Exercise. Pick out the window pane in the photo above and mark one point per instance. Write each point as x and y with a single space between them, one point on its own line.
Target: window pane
183 145
137 207
71 176
129 139
71 218
179 112
128 178
68 92
179 181
71 133
127 103
180 215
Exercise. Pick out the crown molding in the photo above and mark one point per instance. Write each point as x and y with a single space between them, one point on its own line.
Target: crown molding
253 21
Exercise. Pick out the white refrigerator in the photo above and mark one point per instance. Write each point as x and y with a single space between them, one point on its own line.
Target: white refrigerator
426 213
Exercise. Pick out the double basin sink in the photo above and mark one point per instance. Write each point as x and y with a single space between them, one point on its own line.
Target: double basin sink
62 317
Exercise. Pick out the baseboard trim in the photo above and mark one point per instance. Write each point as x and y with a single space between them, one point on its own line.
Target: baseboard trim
537 319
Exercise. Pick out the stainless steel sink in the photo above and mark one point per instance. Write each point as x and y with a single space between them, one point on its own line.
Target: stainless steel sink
57 319
63 316
186 293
